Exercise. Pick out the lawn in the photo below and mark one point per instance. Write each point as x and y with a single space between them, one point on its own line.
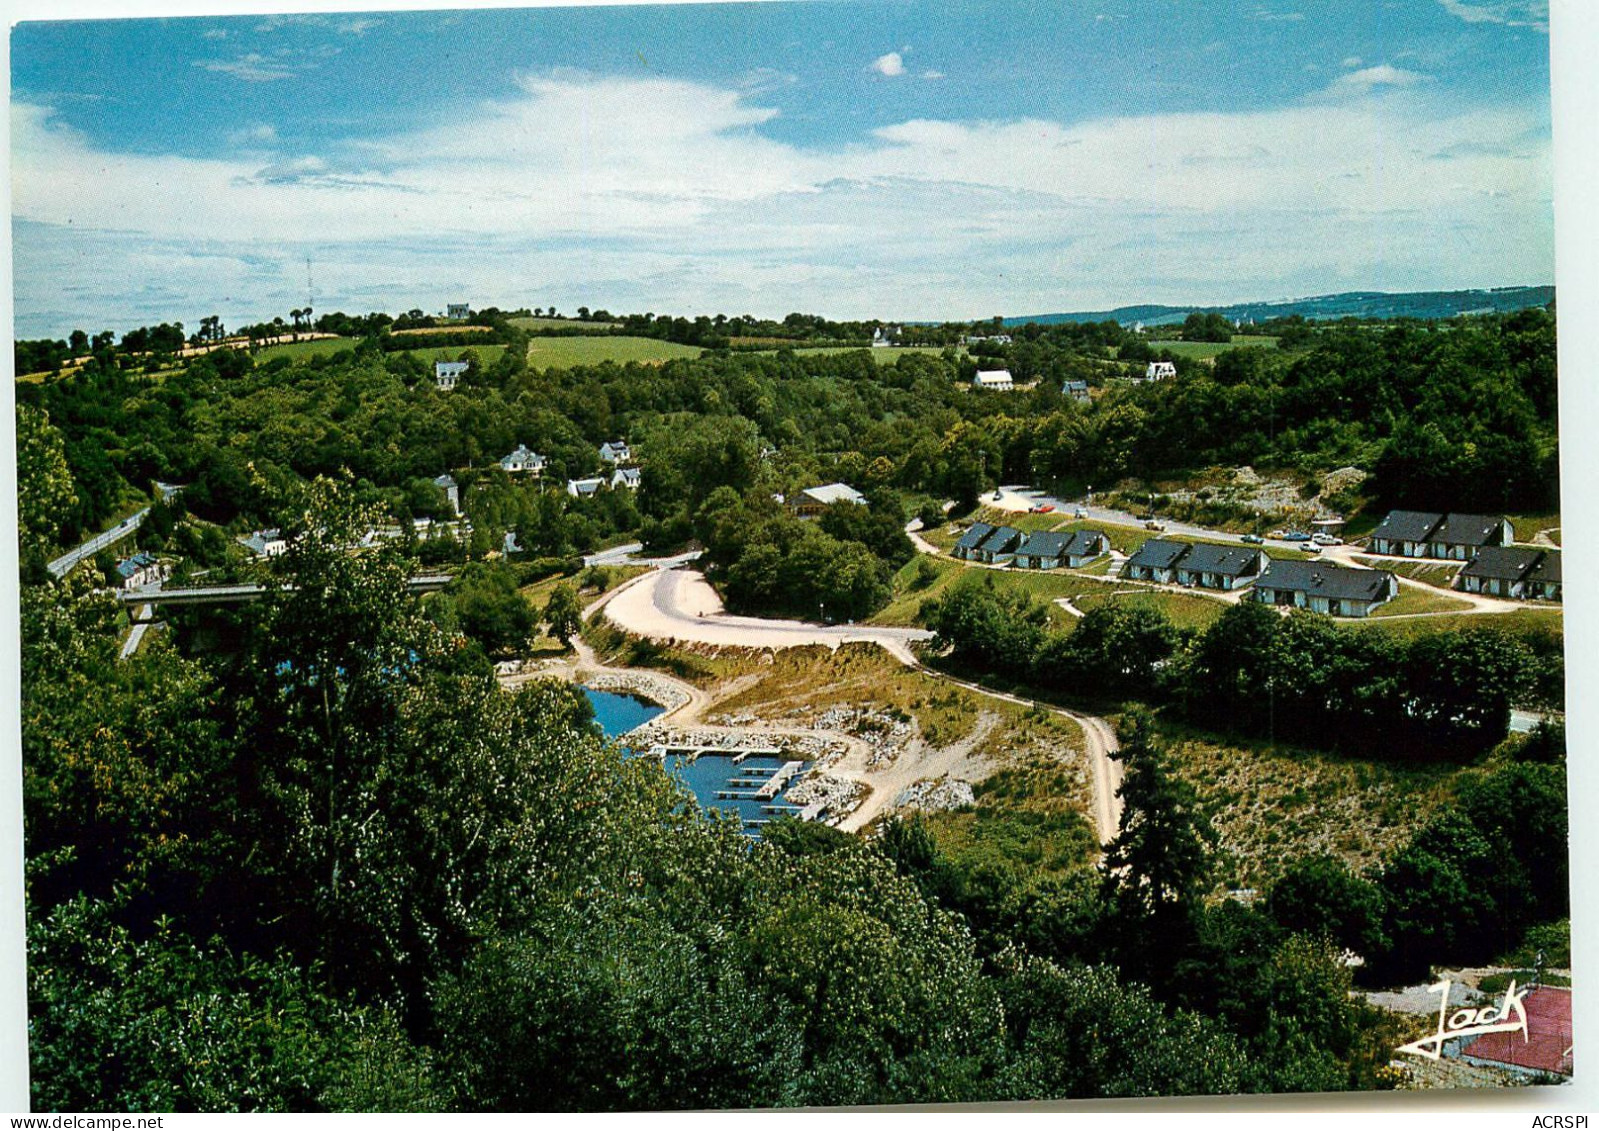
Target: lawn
1413 600
1528 526
1533 618
1183 609
568 352
1437 574
1207 350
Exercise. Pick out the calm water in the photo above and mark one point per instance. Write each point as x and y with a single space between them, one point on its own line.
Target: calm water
618 714
706 775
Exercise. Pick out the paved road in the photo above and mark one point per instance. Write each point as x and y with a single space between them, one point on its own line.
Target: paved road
623 556
679 604
65 563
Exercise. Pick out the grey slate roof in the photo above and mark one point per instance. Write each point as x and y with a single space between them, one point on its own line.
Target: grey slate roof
1158 553
1044 544
974 536
1548 570
1321 579
130 566
1407 526
1502 563
1084 542
1467 529
1230 561
1000 541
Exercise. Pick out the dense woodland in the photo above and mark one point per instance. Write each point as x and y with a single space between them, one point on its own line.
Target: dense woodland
312 857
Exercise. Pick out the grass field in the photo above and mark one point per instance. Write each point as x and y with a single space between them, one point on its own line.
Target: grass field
316 347
565 353
1183 609
533 323
882 355
486 354
1205 350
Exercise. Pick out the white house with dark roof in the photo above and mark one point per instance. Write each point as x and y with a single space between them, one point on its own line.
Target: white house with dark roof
265 543
1052 549
994 380
583 488
140 570
1325 588
1155 560
1462 535
458 310
1160 370
1076 390
522 461
615 451
628 477
1500 571
451 489
966 545
447 373
1405 534
1000 545
1543 579
1211 566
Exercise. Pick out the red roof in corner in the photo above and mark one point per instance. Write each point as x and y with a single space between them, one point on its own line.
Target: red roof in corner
1547 1047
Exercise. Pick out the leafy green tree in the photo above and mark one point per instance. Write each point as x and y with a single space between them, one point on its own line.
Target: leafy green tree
491 610
563 613
161 1023
1320 896
1081 1033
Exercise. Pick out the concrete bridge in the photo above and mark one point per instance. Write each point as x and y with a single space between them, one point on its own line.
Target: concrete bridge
238 594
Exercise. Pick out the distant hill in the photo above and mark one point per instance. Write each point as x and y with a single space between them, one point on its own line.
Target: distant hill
1355 304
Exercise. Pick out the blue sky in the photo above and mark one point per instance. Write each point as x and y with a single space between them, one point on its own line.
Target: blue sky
895 159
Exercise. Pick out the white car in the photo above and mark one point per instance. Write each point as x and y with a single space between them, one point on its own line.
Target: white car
1326 540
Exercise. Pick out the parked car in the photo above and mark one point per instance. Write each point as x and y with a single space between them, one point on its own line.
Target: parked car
1080 513
1252 539
1296 536
1312 548
1040 508
1326 540
1154 524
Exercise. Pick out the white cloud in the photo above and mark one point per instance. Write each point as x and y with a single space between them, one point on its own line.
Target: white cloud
892 65
1270 16
649 193
359 26
214 33
1381 75
1511 13
253 67
933 75
1352 61
260 134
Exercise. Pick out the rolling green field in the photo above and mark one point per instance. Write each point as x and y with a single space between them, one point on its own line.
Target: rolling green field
316 347
1204 350
565 353
532 323
1420 601
883 355
486 355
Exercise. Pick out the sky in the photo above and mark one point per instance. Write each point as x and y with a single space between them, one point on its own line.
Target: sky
897 160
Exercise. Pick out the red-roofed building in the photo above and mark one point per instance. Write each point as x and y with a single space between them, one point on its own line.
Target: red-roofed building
1546 1046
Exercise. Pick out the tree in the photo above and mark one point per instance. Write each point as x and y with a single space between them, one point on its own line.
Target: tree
1159 860
563 614
491 610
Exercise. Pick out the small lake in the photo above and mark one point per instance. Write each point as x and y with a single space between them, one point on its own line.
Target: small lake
617 714
707 775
